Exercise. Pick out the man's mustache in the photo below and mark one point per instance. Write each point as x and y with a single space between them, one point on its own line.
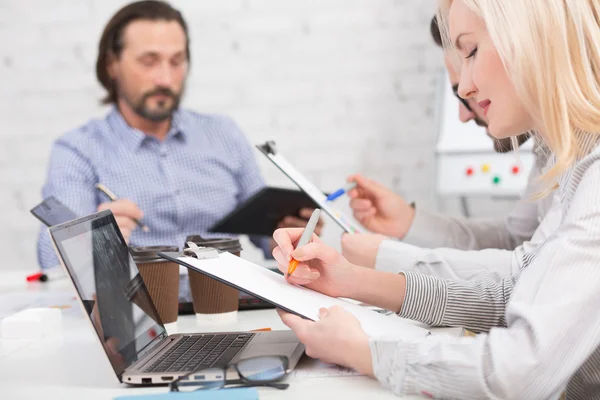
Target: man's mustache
480 122
161 91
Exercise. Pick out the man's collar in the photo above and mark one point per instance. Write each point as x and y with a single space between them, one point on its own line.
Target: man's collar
134 138
177 129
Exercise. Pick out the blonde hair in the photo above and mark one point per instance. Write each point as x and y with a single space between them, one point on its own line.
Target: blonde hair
551 52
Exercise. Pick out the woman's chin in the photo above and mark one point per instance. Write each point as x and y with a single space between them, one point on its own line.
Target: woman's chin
501 133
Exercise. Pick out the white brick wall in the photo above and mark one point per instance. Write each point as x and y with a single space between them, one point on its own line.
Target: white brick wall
342 85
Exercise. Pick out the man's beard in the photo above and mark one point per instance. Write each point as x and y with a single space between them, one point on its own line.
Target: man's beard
501 145
159 114
505 145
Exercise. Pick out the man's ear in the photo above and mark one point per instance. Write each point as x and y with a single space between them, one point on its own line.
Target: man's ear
111 65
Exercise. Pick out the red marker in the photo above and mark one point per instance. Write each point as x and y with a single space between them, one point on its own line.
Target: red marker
40 276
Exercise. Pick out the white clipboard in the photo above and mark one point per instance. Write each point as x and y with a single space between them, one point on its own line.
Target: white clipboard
269 150
272 287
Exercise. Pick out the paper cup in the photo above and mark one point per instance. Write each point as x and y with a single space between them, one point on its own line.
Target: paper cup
214 301
161 278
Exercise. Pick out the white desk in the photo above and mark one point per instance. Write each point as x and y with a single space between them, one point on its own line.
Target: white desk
73 365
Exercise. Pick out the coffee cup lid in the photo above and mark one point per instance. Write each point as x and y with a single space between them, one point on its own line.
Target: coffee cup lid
231 245
143 254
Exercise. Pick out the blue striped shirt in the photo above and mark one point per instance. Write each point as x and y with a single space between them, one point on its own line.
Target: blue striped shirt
184 184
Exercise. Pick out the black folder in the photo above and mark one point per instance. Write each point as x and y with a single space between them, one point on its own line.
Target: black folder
261 213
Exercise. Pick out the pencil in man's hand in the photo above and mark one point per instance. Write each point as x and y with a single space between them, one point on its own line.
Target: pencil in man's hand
113 197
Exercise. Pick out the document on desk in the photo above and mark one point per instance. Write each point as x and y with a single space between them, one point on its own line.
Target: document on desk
273 287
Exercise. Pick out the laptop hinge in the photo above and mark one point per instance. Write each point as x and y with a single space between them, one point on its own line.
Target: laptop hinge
154 344
150 346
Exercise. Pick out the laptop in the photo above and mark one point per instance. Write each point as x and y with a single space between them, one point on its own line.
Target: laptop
116 301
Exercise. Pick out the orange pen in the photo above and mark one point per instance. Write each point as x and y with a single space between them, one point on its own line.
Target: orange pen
305 238
261 330
292 267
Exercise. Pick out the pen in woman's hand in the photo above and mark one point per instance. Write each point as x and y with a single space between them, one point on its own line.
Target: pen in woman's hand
305 238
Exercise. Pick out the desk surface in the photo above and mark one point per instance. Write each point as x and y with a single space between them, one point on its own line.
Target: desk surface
73 365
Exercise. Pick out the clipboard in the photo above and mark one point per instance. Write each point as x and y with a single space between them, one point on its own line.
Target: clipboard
270 151
179 258
272 287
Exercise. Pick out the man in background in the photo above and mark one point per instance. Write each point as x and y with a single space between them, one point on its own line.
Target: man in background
176 170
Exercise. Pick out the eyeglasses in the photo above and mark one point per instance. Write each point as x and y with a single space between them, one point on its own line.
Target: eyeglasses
255 371
464 101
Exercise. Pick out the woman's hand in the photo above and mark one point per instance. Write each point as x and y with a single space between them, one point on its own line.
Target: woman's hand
361 248
337 338
321 267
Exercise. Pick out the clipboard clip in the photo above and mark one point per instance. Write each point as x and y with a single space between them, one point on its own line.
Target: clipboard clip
268 148
201 253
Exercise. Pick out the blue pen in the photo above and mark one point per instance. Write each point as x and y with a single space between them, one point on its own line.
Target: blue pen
341 191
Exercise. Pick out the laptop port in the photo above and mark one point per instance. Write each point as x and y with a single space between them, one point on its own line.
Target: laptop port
166 378
146 381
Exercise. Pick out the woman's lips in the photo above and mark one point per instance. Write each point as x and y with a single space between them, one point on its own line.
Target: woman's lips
485 105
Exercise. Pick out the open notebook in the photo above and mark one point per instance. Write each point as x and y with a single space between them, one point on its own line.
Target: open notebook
273 288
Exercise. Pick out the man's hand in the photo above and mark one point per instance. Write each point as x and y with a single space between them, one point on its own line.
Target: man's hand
125 211
379 209
292 221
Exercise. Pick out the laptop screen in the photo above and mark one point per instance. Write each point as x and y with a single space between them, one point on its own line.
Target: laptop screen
107 280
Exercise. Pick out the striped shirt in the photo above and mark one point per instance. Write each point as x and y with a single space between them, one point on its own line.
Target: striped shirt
184 184
446 251
541 326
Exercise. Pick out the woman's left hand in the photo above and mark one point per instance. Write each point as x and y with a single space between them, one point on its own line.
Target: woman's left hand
337 338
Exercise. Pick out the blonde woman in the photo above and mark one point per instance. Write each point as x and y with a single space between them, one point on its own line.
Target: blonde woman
531 65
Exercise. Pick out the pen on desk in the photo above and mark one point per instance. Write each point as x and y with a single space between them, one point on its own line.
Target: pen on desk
113 197
305 238
341 191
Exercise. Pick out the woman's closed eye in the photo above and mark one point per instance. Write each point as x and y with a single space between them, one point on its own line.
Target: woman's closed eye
472 53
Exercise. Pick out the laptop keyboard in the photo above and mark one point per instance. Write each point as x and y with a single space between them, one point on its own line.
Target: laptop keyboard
196 352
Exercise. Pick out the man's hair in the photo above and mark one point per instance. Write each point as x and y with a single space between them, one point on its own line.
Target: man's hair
111 43
435 31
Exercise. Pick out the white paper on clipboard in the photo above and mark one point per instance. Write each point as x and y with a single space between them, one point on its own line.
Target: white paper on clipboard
268 149
273 288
